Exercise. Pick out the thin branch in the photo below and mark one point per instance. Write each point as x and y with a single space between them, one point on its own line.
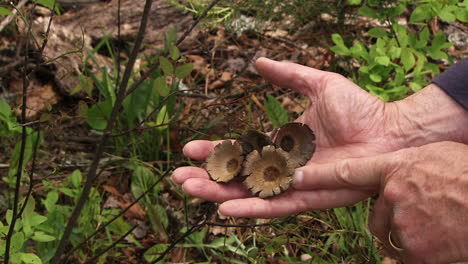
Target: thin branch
100 148
19 172
93 259
31 174
202 16
101 228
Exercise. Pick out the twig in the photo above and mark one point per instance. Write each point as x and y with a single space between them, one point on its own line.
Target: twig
93 259
31 174
203 15
13 14
101 228
110 125
24 134
10 66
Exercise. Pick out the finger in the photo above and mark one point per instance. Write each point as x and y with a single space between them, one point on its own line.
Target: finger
291 203
180 175
199 149
300 78
215 192
359 173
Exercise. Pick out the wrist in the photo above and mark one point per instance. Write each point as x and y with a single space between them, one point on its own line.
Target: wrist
426 117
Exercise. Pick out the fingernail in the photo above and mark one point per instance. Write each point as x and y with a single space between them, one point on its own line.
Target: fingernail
221 216
297 178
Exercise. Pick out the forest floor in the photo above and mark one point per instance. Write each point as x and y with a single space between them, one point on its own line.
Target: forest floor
222 96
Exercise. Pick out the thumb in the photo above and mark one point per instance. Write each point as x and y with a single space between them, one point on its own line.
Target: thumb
358 173
293 76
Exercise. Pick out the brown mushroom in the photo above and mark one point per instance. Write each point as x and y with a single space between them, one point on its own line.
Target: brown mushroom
296 139
225 161
253 140
268 173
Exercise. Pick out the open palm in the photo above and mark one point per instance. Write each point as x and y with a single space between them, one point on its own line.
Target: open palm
347 121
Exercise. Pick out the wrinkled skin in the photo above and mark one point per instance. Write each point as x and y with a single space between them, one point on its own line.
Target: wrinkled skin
423 198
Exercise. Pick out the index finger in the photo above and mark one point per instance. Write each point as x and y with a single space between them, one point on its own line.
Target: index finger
293 76
199 149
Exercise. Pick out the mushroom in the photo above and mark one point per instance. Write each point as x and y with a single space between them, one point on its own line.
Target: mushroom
225 161
296 139
268 172
253 140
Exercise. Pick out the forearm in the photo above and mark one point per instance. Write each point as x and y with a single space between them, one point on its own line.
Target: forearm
428 116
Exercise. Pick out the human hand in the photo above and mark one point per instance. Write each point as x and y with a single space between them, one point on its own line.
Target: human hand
423 198
347 121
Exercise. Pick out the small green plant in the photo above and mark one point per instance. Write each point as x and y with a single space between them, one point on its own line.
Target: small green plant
144 123
27 230
275 111
394 60
59 209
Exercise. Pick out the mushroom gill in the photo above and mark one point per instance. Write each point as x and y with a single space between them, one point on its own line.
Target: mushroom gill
225 161
296 139
253 140
268 173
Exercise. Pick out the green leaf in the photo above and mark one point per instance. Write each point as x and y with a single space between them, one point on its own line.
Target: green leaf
275 112
407 58
166 66
37 219
162 215
382 60
337 39
154 252
368 12
183 70
447 13
76 178
162 118
421 13
30 258
377 32
17 241
49 4
339 48
5 110
161 86
415 86
396 11
462 14
51 200
97 115
440 41
354 2
5 11
424 36
42 237
375 77
174 52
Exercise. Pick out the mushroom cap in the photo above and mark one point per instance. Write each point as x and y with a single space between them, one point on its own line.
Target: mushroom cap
253 140
225 161
269 172
298 140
